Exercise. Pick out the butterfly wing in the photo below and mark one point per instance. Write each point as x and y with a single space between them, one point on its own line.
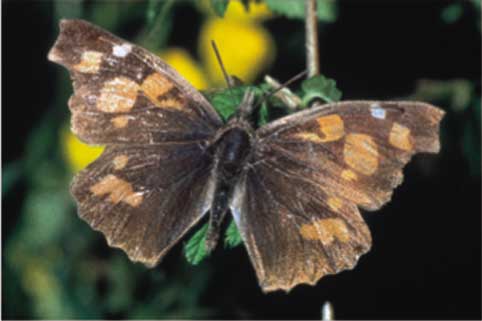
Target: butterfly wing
296 203
125 94
152 183
142 198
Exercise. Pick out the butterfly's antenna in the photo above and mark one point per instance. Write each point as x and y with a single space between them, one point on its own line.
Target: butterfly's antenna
283 85
218 57
225 74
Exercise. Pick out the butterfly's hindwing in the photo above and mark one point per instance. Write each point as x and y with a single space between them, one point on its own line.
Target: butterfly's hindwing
142 198
295 232
125 94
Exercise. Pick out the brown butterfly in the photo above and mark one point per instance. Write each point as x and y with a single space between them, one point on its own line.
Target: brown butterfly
293 186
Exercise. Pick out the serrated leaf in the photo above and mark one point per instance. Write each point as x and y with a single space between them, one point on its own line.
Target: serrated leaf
319 87
220 6
325 9
195 248
232 237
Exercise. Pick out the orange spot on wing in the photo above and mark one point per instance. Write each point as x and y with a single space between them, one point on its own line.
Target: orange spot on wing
349 175
335 203
361 153
118 189
309 137
120 162
155 86
118 95
170 103
400 137
120 121
89 62
332 128
325 230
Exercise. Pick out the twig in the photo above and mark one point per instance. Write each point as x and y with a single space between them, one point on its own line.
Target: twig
327 311
284 94
311 29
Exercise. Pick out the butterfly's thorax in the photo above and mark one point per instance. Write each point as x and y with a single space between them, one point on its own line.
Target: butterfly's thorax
231 153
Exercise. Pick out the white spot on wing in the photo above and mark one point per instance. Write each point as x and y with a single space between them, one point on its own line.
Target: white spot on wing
122 50
377 111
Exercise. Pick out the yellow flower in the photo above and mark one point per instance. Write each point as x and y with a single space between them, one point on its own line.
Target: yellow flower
182 61
257 11
246 48
78 154
236 10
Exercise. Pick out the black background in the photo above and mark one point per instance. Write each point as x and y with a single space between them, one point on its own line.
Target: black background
426 255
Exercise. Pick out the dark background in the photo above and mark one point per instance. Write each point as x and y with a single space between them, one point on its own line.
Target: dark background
426 257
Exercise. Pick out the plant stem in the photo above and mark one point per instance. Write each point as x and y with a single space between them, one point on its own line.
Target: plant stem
311 29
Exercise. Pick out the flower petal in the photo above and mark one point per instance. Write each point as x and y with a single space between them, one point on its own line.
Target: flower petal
246 48
182 61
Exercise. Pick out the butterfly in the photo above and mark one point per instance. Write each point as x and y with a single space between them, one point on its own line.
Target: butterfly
292 186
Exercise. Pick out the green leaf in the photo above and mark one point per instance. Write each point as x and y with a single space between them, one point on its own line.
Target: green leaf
226 101
325 9
220 6
195 248
232 237
319 87
263 115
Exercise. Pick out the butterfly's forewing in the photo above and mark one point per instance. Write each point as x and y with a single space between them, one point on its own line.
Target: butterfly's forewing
357 148
125 94
296 205
144 198
153 180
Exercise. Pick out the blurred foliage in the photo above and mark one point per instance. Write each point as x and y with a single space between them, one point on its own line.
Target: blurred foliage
220 6
325 9
454 12
56 267
465 122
